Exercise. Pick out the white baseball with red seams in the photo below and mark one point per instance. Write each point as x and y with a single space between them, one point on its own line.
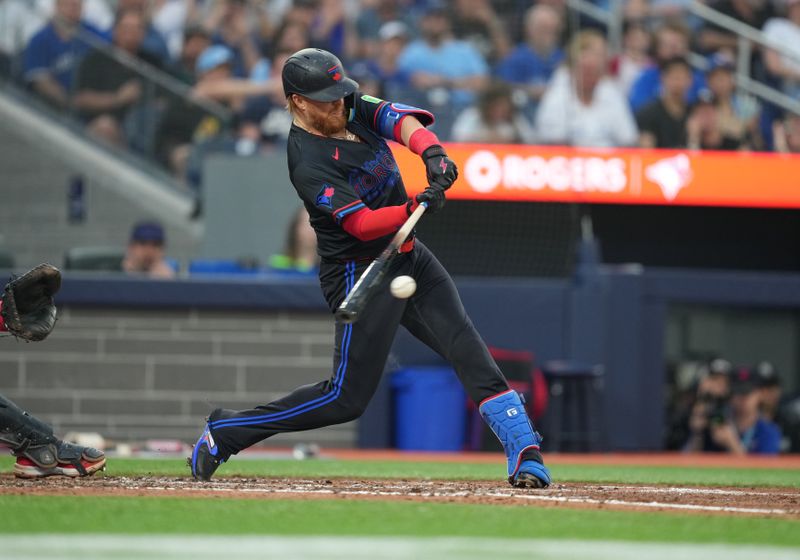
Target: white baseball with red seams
403 287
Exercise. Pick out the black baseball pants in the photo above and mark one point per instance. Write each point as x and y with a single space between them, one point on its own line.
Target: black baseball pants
434 315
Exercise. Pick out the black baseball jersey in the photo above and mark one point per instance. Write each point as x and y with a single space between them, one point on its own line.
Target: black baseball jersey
336 178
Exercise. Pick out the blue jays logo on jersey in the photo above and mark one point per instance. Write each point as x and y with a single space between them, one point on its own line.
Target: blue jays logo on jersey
325 196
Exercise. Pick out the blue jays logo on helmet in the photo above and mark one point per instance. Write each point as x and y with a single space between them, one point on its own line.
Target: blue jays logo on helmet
335 72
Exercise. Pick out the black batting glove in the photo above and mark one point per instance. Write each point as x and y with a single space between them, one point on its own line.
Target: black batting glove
434 196
440 169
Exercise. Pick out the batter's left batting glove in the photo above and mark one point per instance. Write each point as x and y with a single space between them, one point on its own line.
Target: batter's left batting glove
434 196
440 169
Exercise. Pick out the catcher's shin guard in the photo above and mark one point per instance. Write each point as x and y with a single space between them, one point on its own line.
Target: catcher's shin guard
506 416
39 453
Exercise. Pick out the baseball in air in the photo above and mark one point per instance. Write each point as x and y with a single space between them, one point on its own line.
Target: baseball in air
403 287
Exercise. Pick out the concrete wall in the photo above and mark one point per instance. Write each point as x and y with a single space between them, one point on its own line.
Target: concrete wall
138 374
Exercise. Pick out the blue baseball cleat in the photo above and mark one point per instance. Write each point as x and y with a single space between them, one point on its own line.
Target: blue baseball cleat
509 421
206 457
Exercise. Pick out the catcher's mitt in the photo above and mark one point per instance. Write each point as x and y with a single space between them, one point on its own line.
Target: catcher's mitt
28 309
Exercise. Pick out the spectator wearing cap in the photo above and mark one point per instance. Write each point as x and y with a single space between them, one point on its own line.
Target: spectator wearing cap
231 23
769 383
532 63
370 22
747 431
145 252
785 65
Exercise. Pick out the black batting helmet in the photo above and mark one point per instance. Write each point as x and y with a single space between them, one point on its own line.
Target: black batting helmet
316 74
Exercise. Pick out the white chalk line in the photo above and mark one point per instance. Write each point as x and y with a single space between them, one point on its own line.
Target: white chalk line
506 495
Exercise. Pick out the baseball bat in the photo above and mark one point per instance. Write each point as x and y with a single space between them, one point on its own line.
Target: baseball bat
349 310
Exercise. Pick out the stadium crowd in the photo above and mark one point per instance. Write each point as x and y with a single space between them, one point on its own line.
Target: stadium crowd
505 71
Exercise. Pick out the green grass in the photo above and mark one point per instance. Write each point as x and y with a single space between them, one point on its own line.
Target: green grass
230 516
322 468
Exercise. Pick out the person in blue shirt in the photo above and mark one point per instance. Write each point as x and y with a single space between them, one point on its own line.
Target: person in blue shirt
737 427
53 54
437 61
532 63
671 41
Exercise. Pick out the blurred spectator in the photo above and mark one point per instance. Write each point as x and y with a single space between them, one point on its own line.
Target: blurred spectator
328 27
532 63
443 66
495 120
769 383
54 53
107 89
628 65
785 66
19 20
196 39
754 13
231 23
185 122
737 114
732 425
300 253
671 41
786 134
703 129
372 16
383 67
662 123
145 252
153 43
264 117
477 22
582 106
291 36
170 18
740 428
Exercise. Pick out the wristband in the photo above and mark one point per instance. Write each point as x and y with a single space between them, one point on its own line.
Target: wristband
422 139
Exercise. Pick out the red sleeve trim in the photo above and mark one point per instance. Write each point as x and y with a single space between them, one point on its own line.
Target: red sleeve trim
2 322
366 224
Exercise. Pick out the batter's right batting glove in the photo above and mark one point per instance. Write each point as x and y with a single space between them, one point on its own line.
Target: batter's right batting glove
440 169
434 196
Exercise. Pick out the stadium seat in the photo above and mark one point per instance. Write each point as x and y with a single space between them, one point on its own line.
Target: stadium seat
94 258
223 266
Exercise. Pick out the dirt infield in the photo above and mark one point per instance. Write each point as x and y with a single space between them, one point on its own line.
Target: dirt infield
756 501
769 502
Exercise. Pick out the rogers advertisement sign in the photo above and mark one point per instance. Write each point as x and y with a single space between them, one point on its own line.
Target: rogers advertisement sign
624 176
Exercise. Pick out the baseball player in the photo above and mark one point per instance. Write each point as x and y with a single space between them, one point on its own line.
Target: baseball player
348 180
27 311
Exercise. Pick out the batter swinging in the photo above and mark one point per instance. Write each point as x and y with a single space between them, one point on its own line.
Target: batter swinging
348 180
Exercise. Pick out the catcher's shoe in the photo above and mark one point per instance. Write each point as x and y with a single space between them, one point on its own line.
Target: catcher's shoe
206 457
506 416
68 460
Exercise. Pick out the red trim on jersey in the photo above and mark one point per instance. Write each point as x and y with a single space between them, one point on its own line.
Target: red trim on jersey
422 139
375 116
2 322
367 224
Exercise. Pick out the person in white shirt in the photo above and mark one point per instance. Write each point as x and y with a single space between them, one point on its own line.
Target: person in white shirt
582 106
785 65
